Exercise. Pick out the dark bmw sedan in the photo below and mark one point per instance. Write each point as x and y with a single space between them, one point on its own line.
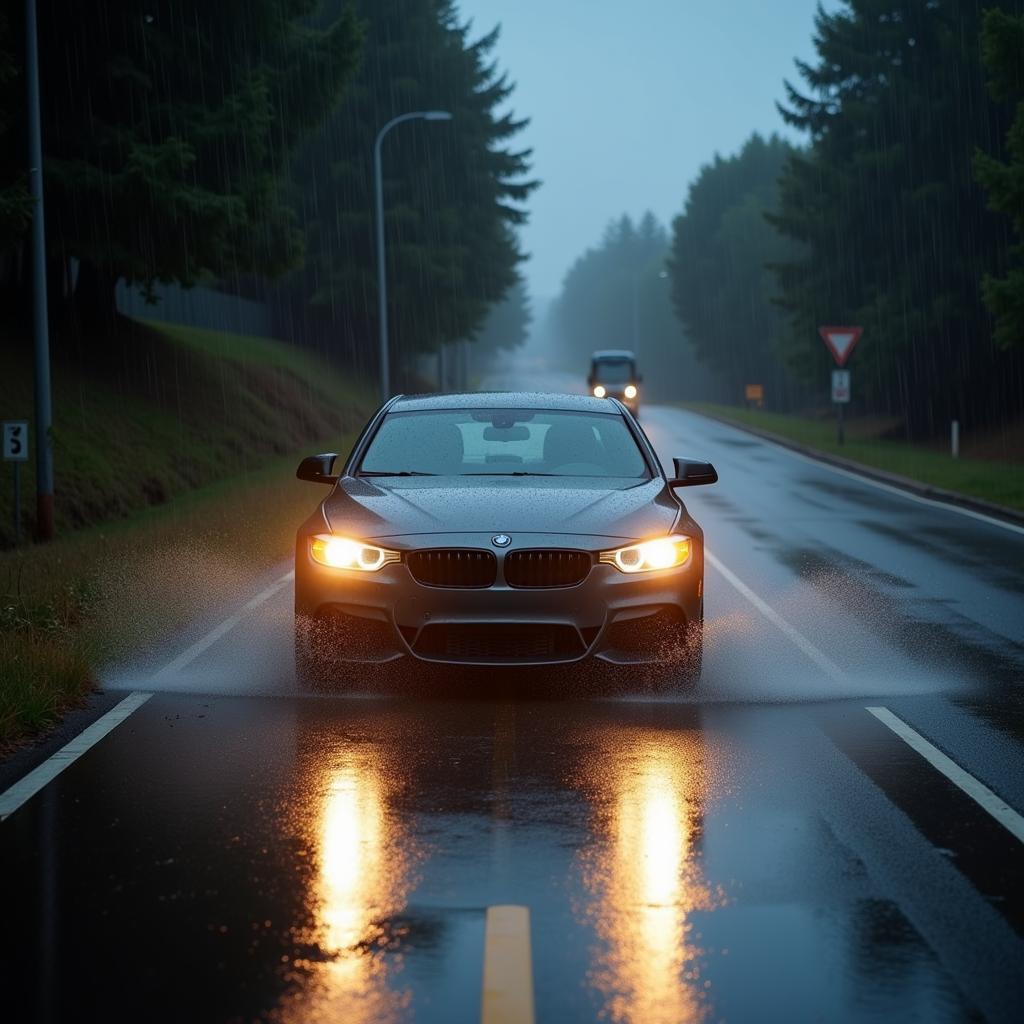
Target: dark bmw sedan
500 529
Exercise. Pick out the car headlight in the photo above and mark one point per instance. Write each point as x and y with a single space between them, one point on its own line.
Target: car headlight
650 555
630 391
344 553
600 391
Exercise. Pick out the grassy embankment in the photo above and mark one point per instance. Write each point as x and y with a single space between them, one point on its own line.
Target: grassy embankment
175 452
997 480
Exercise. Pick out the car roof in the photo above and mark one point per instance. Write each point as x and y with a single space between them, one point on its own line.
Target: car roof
505 400
613 353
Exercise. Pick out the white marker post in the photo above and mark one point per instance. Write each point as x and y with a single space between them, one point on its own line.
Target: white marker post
840 342
840 396
16 451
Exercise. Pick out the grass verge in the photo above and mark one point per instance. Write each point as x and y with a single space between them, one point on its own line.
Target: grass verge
999 482
105 593
148 412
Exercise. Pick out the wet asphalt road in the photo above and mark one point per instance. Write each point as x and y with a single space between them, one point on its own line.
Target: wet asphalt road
763 849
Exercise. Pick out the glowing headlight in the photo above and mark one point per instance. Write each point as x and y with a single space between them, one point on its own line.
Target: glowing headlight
664 553
630 391
599 391
343 553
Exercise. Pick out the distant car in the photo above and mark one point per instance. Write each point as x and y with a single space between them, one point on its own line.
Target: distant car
613 374
500 529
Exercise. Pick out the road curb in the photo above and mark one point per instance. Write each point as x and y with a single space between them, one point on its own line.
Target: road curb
937 494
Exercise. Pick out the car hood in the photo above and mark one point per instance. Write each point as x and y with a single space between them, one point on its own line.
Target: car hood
371 509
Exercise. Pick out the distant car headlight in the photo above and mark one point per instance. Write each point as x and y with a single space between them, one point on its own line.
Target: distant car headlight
630 391
344 553
650 555
599 391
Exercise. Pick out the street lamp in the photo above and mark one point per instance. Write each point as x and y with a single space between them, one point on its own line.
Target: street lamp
40 324
382 278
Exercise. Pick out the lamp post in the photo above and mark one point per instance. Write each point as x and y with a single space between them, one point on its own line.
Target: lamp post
382 274
40 325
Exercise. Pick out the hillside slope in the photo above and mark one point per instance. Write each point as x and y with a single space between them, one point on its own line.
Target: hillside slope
160 410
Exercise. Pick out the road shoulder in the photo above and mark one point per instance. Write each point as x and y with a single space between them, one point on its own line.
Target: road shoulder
927 491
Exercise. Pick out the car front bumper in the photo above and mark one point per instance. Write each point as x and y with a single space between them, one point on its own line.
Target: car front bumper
612 616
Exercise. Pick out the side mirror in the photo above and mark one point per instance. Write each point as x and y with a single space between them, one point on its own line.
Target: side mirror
692 474
318 469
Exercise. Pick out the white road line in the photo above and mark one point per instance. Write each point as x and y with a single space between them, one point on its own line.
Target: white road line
27 787
191 653
508 974
977 791
822 660
880 484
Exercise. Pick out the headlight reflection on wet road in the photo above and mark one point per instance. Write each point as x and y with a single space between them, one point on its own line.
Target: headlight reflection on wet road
361 880
644 880
350 836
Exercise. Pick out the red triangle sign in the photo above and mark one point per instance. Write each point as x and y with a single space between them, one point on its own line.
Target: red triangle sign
840 341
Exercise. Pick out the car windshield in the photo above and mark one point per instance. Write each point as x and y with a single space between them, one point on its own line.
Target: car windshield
613 371
504 442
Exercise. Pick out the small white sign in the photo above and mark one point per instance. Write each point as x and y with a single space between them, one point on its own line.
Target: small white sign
15 441
841 386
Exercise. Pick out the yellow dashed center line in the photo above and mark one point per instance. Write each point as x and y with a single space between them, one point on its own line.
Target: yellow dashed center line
508 973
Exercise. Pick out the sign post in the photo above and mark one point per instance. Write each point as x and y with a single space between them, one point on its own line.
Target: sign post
16 451
841 397
841 342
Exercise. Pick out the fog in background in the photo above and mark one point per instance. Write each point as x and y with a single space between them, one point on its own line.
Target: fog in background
627 101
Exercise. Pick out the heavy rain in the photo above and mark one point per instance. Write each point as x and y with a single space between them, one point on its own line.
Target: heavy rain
512 512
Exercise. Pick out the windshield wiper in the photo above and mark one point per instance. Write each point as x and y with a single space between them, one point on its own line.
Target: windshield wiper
400 472
515 472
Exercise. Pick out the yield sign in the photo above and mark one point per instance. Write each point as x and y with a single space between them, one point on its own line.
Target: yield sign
840 341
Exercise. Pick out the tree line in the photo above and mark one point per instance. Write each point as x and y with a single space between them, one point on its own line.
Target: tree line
902 212
188 142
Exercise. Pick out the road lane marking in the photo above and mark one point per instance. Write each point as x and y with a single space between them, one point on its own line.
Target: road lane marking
880 484
191 653
508 974
27 787
977 791
822 660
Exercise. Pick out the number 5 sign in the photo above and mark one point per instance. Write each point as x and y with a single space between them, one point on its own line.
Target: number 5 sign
15 441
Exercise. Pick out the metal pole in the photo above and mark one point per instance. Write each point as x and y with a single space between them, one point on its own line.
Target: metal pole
382 274
40 324
954 439
636 316
17 503
842 436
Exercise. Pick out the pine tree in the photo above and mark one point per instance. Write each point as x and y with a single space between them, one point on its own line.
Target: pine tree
1003 41
893 225
166 130
508 322
453 190
721 285
15 201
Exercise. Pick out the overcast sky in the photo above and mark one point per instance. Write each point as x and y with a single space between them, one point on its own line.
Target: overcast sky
628 98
